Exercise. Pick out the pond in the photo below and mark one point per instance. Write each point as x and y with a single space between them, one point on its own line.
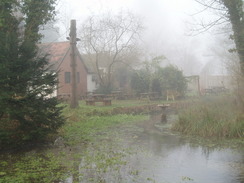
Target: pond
150 152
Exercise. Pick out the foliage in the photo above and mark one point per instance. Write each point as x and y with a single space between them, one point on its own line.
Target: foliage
154 78
30 169
104 163
156 85
140 81
172 79
212 117
96 125
121 77
103 89
84 128
145 79
106 158
27 113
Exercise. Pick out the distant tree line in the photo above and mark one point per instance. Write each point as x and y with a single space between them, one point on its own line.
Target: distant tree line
154 78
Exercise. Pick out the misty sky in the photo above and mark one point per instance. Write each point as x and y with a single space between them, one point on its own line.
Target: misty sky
167 27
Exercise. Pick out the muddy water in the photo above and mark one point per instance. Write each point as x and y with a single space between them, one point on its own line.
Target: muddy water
157 155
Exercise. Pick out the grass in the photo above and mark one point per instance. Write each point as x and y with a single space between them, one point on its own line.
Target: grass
96 125
104 131
31 168
86 130
212 117
83 110
86 124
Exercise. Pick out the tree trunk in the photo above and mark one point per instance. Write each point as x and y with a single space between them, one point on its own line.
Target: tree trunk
235 12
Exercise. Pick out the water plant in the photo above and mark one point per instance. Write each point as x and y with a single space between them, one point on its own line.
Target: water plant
88 129
212 117
33 168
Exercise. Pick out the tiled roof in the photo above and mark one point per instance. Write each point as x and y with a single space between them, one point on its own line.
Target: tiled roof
56 52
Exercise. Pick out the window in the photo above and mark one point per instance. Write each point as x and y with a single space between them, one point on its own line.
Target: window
78 77
67 77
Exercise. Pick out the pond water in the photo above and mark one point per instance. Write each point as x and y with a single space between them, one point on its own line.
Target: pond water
149 152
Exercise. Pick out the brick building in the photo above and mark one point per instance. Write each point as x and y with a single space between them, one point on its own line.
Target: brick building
59 55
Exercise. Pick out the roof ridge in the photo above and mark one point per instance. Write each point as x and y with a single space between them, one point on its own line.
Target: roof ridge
47 43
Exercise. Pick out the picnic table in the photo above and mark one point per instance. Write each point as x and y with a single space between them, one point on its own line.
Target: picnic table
117 95
150 95
215 90
92 99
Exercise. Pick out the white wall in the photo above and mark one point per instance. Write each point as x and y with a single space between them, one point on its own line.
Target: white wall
208 81
91 85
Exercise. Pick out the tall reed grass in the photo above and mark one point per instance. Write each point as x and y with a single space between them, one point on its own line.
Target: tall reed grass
212 117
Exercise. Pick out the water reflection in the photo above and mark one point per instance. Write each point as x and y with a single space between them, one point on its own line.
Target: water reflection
171 163
173 159
162 157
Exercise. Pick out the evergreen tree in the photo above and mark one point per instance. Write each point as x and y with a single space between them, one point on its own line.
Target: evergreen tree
27 113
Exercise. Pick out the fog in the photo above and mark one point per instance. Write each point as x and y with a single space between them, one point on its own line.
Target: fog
168 28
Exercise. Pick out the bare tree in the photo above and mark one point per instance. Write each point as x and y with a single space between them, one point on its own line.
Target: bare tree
107 39
228 11
231 63
231 11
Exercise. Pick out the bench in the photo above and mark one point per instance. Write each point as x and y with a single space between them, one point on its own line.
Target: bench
105 101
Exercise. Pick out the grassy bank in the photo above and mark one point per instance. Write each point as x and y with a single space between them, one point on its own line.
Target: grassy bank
212 117
97 143
86 124
87 130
